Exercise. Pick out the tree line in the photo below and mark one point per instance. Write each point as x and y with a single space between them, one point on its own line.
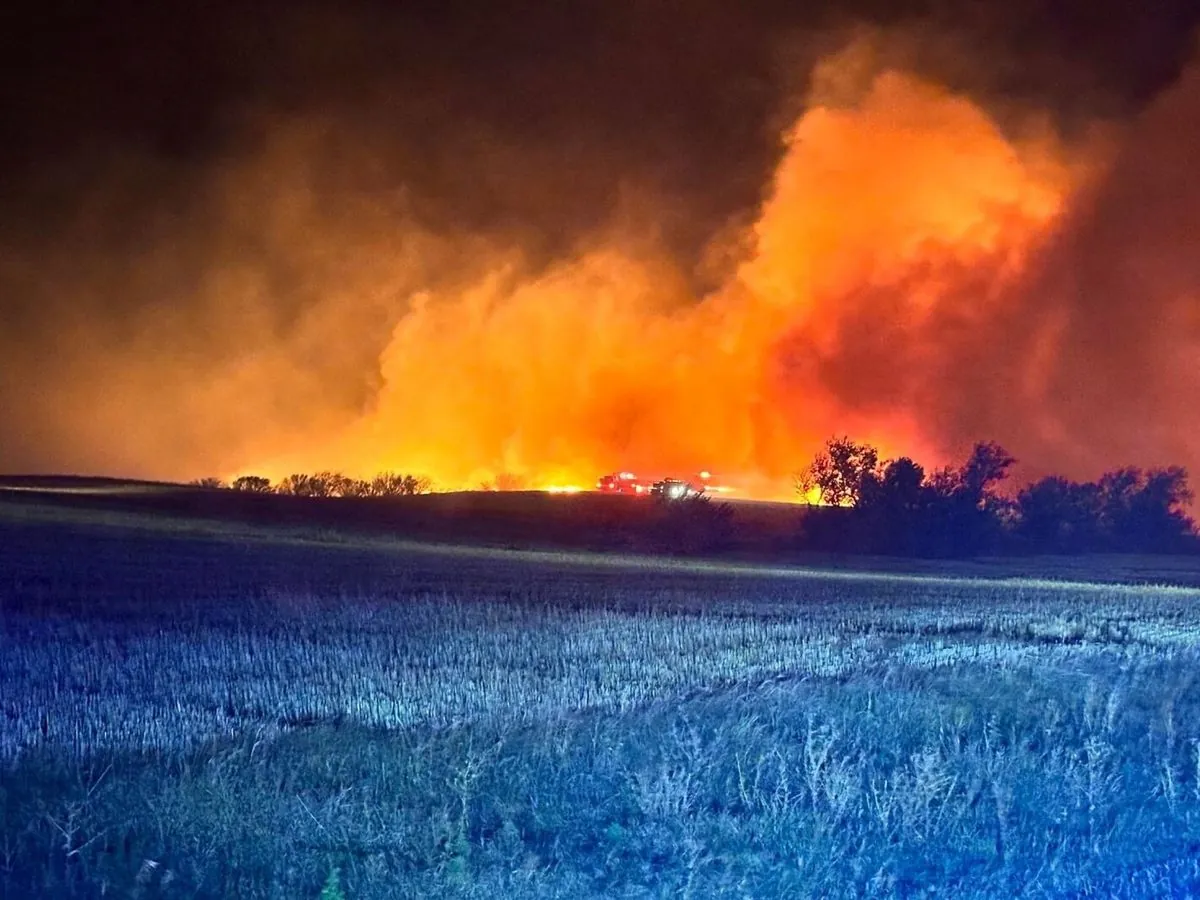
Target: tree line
326 484
897 507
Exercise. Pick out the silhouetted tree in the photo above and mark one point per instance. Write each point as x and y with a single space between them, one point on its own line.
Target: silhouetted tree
894 508
839 472
392 484
254 484
298 485
416 484
1126 510
1143 511
967 514
1055 515
897 508
210 483
334 484
355 487
901 487
985 468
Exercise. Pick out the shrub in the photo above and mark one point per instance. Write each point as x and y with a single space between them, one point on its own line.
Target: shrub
392 484
692 525
299 485
253 484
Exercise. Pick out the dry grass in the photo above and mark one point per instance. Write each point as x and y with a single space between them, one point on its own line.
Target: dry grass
214 715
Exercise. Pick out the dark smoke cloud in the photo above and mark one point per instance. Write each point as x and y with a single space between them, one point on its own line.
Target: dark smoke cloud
1092 358
1124 280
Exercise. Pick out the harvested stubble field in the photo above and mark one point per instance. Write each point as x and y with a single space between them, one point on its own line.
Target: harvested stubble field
207 713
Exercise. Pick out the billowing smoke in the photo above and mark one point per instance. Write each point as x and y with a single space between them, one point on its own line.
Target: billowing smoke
920 270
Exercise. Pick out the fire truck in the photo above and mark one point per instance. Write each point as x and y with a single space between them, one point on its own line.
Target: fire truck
675 489
665 488
622 483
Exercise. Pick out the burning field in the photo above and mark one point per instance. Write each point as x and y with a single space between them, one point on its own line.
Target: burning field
924 267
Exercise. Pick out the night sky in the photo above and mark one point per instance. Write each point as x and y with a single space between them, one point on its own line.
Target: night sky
520 124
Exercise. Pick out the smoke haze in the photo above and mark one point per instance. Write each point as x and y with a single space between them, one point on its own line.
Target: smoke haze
888 248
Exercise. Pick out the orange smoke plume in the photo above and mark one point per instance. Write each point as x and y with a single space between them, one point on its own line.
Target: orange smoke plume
902 201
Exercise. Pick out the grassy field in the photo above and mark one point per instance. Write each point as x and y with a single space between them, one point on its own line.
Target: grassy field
218 708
